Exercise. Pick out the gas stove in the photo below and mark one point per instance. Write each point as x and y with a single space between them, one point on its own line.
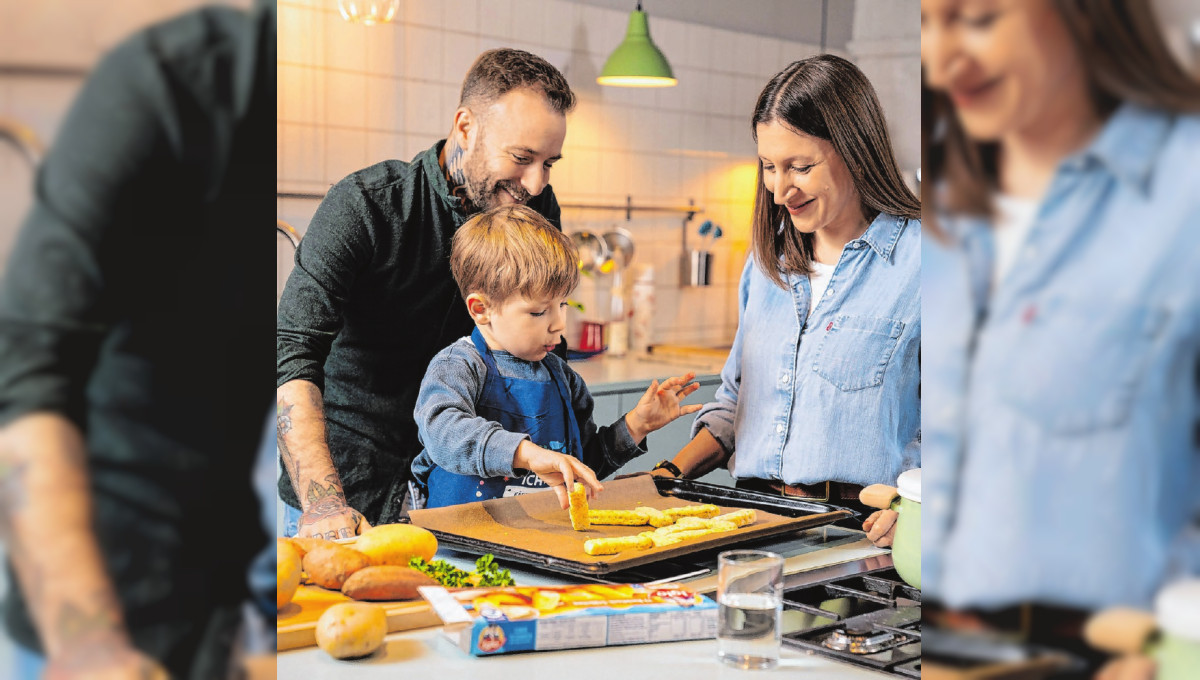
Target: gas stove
869 618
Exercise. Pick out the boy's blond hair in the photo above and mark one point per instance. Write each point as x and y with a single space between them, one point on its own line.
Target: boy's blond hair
512 250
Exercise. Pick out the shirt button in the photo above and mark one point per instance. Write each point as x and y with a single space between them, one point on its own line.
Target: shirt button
783 378
779 428
829 293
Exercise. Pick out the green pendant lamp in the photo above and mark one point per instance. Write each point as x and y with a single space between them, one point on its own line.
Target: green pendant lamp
637 61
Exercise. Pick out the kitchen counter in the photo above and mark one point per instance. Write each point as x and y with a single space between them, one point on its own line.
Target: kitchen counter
425 653
606 374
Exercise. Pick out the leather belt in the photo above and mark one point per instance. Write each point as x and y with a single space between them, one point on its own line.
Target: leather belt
821 491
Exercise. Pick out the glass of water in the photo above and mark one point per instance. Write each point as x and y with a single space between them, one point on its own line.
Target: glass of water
750 595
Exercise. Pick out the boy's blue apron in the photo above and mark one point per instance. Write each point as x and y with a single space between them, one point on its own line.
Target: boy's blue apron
541 410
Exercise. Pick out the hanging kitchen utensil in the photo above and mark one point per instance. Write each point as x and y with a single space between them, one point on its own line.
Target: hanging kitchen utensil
620 247
594 255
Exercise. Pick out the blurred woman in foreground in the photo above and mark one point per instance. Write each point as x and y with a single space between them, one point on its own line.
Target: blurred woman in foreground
1061 305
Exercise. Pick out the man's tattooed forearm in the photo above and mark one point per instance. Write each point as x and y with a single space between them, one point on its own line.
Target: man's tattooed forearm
327 508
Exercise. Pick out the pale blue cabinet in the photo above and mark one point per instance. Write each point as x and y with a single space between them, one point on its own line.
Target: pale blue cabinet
614 401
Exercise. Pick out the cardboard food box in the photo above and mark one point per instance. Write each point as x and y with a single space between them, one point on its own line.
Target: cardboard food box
486 621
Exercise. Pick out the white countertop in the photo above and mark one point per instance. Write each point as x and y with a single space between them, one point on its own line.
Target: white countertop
604 373
426 654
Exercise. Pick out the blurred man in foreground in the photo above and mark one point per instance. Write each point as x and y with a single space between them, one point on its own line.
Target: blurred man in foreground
133 323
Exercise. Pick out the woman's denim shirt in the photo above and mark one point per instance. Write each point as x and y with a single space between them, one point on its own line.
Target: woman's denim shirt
1061 411
831 395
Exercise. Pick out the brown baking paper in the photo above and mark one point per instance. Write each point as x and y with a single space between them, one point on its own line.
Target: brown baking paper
536 523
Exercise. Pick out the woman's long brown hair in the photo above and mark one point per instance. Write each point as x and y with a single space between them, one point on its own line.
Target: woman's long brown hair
1125 59
829 98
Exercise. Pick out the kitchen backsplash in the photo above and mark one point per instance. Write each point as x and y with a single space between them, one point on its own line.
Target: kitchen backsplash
352 95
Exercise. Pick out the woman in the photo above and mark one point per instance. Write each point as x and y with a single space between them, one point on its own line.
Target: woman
819 395
1066 287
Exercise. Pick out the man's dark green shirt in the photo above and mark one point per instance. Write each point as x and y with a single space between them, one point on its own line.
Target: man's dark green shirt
137 304
367 306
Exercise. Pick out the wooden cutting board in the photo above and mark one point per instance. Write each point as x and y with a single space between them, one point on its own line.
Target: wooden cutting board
296 624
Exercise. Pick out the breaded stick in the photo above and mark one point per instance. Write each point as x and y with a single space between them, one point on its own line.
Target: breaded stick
716 525
739 517
679 537
705 511
610 546
686 523
655 517
579 508
631 518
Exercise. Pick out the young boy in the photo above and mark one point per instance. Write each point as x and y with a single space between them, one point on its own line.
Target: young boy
498 413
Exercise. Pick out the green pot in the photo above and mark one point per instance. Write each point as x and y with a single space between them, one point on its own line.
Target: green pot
1177 658
1177 648
906 545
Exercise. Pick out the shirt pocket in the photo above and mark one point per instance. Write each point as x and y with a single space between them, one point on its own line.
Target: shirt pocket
1077 364
856 350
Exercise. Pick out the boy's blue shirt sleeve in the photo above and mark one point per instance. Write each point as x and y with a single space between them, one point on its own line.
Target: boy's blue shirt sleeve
454 437
607 448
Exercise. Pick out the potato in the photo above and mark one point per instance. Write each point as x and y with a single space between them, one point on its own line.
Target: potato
351 629
394 544
330 565
303 545
287 572
386 583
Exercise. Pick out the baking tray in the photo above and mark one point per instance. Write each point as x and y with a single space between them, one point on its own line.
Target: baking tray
534 530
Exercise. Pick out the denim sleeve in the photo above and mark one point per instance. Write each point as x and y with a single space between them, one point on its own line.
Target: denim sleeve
605 449
455 437
718 416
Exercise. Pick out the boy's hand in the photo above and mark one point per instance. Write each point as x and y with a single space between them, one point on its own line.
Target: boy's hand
660 405
558 470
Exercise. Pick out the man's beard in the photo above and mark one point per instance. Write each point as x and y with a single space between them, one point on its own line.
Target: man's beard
482 191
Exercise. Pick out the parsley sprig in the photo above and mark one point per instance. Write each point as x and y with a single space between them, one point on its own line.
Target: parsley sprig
487 572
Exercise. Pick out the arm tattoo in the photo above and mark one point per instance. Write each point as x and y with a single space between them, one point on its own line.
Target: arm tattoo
13 496
317 494
328 502
283 425
94 626
283 419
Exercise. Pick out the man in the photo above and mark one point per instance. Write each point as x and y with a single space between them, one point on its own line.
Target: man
371 299
134 330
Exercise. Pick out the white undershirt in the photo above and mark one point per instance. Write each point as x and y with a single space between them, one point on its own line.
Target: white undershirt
819 281
1014 220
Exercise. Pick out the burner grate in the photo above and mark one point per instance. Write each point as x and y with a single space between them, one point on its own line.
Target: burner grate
871 620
